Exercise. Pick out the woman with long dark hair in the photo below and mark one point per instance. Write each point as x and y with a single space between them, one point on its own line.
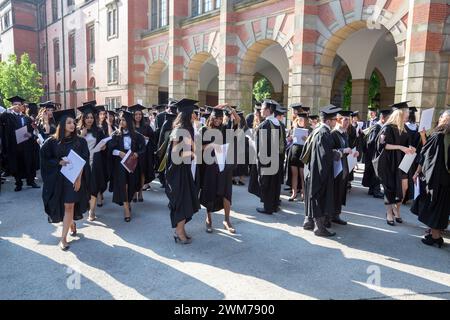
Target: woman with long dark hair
64 201
217 186
147 161
126 183
433 204
393 143
93 134
181 188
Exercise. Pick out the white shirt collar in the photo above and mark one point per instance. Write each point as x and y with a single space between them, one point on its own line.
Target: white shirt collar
274 120
327 126
340 129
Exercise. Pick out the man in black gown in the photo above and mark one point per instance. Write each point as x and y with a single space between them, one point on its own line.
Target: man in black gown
370 179
269 149
319 156
19 155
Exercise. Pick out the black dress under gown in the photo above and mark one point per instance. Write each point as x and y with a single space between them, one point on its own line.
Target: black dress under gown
98 181
121 177
433 204
215 185
147 163
389 161
181 188
57 189
340 142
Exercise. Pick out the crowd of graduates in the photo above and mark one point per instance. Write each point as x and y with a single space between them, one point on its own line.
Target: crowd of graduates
264 145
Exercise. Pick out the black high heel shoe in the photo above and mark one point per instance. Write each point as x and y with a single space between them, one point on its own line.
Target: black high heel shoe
74 232
430 241
389 222
399 220
127 219
179 241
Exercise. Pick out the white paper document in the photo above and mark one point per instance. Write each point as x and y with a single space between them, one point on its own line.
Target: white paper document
101 144
299 134
40 139
203 120
193 168
22 135
426 119
337 167
73 169
407 162
221 155
352 161
416 189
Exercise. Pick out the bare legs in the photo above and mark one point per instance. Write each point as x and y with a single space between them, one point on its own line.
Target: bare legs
92 205
126 206
227 221
67 223
294 182
393 211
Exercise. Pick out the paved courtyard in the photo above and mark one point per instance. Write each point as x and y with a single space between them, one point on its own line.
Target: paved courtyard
270 257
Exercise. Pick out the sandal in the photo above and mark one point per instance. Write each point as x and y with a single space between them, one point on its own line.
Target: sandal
73 232
64 247
229 228
209 228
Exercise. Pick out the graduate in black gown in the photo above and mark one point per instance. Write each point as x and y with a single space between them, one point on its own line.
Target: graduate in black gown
216 186
125 183
241 168
341 143
268 149
414 137
280 113
433 204
45 121
392 144
319 156
21 162
147 161
181 188
64 201
370 179
93 134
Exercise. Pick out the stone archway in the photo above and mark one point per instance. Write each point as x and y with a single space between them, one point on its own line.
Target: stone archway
152 82
193 87
337 90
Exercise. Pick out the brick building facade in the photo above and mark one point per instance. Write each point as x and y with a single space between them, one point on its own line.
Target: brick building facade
123 52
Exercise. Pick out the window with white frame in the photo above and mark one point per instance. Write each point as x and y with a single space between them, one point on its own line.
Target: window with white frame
113 21
159 14
199 7
6 20
113 103
113 70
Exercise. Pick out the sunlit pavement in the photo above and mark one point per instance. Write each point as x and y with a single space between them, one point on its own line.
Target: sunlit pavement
270 257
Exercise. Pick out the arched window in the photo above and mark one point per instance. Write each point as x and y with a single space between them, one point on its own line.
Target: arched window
91 90
58 93
73 95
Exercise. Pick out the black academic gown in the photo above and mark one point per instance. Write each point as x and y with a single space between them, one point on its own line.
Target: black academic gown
433 204
340 142
370 179
215 185
414 139
21 158
148 161
51 154
181 188
121 177
98 176
319 176
269 183
389 161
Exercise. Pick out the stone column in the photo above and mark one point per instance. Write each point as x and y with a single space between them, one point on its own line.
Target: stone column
360 96
230 86
178 10
304 75
426 68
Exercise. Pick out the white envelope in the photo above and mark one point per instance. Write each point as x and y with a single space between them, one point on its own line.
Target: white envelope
407 162
352 161
22 135
72 170
337 167
101 144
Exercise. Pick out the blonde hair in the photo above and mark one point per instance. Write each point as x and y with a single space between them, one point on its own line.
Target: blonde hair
396 118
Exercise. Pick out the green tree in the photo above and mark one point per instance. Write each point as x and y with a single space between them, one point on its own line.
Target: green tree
262 89
347 94
20 78
374 90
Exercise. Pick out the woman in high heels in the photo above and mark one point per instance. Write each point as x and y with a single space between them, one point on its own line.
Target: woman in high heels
433 204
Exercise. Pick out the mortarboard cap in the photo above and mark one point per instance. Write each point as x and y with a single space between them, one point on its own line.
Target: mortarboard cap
302 115
112 113
330 111
279 110
413 109
48 105
136 107
400 105
63 114
172 102
296 106
355 114
272 104
186 105
386 112
344 113
127 115
314 117
16 99
90 103
217 112
88 108
100 108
